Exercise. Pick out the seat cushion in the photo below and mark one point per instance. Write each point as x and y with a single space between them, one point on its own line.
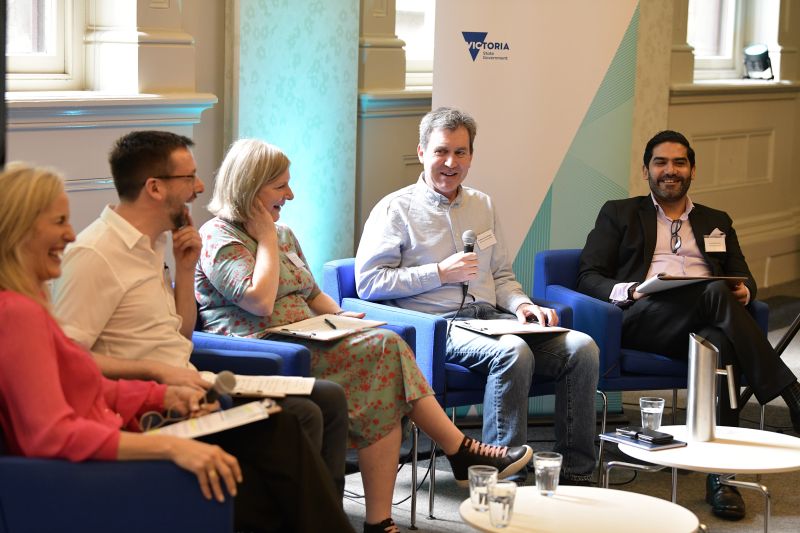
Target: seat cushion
651 364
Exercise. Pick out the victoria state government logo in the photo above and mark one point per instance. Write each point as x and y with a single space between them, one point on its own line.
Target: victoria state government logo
477 44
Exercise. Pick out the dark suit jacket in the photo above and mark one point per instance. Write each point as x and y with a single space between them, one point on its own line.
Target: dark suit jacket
620 247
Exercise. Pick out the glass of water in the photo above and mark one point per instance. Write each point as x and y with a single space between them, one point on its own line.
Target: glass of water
547 466
501 502
480 477
652 409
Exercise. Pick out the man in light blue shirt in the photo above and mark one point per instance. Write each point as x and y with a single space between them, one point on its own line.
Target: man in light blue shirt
410 257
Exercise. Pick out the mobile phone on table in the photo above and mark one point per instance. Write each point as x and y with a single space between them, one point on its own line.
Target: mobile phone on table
646 435
656 437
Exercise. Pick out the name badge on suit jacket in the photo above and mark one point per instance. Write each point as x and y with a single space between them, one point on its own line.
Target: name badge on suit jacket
715 241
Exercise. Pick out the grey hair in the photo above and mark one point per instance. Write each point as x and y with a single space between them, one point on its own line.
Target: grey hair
446 118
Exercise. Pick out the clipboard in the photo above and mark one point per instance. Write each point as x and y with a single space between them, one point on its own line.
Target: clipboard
219 420
664 282
325 327
266 386
505 326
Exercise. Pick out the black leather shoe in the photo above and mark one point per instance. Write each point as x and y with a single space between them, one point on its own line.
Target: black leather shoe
726 502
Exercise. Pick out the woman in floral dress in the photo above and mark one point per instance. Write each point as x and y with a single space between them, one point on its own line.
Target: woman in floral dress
252 275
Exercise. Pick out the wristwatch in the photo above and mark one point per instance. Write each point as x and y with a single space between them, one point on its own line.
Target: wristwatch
631 290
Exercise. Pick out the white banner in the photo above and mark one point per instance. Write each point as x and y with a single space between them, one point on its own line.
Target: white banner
527 71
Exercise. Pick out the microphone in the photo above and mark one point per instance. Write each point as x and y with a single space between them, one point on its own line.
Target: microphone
224 384
468 238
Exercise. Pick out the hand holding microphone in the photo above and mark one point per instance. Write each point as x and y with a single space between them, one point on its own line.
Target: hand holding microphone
468 238
224 384
462 266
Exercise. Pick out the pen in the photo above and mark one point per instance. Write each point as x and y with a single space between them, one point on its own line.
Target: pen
331 324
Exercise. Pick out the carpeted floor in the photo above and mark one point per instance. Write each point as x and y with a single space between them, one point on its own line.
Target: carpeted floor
691 485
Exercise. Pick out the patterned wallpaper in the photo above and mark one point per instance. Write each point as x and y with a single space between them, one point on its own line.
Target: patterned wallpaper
298 79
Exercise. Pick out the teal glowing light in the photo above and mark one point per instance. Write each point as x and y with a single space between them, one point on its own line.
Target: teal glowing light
298 85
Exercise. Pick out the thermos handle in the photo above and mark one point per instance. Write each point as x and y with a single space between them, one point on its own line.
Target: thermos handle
733 396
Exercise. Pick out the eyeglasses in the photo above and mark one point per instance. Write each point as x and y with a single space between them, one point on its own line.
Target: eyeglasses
155 419
181 176
675 240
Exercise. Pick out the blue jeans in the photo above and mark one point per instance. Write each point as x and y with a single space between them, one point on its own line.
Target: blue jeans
508 361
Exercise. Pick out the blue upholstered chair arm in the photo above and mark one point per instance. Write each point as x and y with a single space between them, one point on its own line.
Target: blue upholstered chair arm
296 358
238 362
407 333
563 311
338 279
124 497
600 320
430 330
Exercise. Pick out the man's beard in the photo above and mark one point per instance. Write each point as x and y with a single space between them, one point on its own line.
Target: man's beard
180 217
669 196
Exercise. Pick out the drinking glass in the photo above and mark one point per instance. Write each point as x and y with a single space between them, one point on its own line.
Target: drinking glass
652 409
501 502
547 466
480 477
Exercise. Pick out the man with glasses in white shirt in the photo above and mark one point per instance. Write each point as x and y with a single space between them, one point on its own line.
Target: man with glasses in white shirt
637 238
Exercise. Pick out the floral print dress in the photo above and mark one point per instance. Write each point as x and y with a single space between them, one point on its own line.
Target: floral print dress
375 367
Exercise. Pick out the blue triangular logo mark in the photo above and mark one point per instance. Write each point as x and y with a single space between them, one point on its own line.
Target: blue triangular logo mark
474 38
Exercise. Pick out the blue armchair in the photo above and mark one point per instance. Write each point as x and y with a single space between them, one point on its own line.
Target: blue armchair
57 495
453 385
621 369
125 497
555 277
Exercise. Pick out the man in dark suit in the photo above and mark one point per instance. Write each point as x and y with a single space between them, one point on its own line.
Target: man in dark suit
636 238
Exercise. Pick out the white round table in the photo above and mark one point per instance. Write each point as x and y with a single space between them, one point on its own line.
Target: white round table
733 451
587 509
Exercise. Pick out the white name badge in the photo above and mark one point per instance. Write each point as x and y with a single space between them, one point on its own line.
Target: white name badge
714 243
295 259
486 240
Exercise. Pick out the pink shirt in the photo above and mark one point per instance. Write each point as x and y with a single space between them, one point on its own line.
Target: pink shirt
53 400
688 261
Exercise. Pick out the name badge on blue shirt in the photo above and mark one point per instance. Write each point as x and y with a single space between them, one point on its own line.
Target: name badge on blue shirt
486 239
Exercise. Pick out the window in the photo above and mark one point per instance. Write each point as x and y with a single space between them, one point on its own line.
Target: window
713 32
719 30
415 24
43 44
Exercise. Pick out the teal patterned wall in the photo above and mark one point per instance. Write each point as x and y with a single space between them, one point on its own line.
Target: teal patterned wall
298 82
594 170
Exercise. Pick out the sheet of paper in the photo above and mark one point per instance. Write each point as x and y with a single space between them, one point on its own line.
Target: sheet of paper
505 326
266 386
219 420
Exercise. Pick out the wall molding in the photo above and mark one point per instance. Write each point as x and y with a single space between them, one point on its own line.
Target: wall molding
387 104
52 111
732 91
778 224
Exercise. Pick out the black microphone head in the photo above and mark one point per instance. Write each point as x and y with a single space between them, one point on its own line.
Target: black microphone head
469 238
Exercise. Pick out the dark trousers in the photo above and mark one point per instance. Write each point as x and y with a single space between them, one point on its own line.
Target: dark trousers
286 486
662 322
323 417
